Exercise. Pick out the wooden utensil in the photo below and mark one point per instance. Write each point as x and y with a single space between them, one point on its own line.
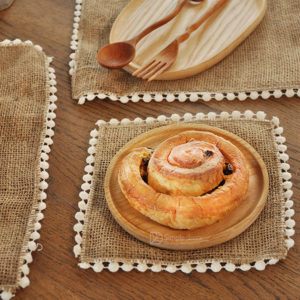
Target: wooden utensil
120 54
161 236
166 58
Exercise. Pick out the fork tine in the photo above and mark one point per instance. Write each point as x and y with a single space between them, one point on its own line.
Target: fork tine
154 70
148 69
160 71
141 69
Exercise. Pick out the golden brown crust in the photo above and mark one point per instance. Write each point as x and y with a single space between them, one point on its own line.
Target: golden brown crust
164 202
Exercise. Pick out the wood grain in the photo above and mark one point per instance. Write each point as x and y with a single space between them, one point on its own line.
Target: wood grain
54 273
227 228
230 25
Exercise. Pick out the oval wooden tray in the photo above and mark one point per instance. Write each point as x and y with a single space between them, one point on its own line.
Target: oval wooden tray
214 40
161 236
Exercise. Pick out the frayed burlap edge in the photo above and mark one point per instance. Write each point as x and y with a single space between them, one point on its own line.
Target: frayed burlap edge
180 96
32 235
188 266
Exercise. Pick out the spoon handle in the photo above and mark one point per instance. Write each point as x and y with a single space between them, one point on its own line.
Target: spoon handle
154 26
197 24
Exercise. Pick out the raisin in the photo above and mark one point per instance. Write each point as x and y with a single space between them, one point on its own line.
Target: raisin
208 153
228 170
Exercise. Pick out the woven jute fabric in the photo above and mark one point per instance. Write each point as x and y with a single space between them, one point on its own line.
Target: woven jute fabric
104 239
24 98
267 60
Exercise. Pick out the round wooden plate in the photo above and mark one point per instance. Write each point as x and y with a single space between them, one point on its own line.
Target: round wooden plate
209 44
161 236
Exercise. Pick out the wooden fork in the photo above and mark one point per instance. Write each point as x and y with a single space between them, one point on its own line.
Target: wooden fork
166 58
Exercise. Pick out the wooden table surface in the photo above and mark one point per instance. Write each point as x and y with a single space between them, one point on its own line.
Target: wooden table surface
54 273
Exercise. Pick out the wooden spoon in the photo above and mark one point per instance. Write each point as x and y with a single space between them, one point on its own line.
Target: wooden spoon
120 54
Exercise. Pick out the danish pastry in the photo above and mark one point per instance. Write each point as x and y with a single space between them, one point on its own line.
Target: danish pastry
190 180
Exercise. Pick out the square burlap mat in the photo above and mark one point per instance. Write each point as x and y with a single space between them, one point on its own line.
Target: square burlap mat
102 243
268 60
26 113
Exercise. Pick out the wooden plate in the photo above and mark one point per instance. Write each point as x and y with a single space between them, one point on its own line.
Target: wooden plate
161 236
209 44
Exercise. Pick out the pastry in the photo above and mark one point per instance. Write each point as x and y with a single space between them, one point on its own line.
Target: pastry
190 180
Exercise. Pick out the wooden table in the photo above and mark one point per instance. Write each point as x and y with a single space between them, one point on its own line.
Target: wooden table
54 273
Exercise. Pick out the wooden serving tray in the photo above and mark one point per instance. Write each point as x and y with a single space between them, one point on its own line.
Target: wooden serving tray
214 40
161 236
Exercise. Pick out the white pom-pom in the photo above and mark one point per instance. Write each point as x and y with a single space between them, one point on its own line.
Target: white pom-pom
81 100
162 118
46 148
44 175
282 148
124 99
249 114
289 213
186 268
277 94
158 97
280 139
6 295
206 96
90 159
245 267
28 257
175 117
37 226
170 98
261 115
194 97
79 216
125 121
42 206
138 121
89 169
224 115
113 267
78 227
273 261
236 115
289 232
40 216
85 186
230 96
200 116
142 267
31 246
149 120
242 96
147 98
290 223
254 95
77 250
275 120
98 267
43 185
94 132
156 268
260 265
93 141
35 235
188 116
229 267
201 268
101 96
290 93
278 130
287 185
24 282
289 243
286 175
211 115
84 265
114 122
284 157
171 269
127 267
289 203
216 267
82 205
265 95
25 269
182 97
219 96
288 194
78 239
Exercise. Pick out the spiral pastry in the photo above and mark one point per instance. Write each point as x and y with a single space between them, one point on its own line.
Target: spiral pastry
190 180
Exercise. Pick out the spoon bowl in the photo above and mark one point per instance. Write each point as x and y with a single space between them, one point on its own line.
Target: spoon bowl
116 55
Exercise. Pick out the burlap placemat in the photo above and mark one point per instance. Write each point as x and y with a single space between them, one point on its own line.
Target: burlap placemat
102 243
266 64
26 120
